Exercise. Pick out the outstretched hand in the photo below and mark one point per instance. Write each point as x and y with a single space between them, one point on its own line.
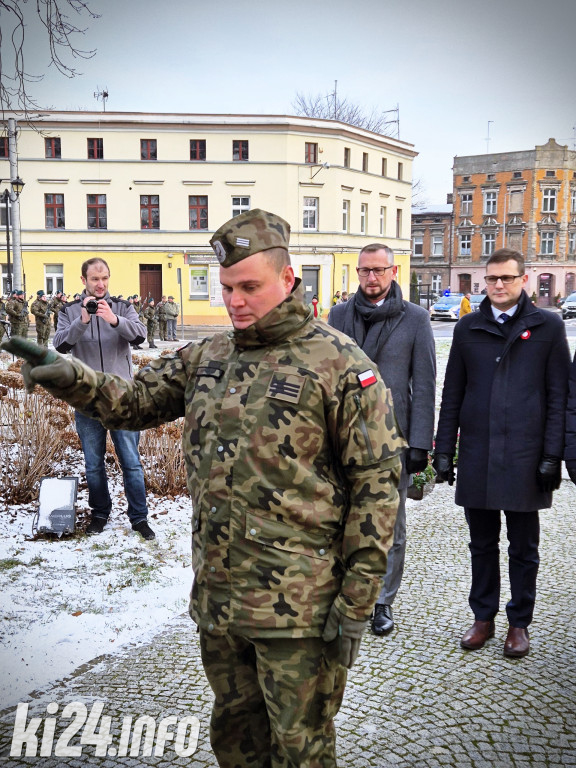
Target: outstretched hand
42 366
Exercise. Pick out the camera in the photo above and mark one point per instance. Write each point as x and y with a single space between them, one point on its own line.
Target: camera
91 306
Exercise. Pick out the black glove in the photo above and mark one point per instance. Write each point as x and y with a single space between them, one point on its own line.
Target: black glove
416 460
443 464
571 467
549 474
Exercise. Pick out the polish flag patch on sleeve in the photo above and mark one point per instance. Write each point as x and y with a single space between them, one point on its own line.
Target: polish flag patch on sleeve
366 378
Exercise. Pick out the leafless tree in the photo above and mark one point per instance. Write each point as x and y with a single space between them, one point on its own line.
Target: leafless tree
16 17
332 107
419 199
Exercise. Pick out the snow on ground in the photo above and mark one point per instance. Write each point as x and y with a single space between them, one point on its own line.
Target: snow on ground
66 601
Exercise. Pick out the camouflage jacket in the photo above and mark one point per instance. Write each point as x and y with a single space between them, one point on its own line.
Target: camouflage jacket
149 314
56 305
41 311
293 458
15 310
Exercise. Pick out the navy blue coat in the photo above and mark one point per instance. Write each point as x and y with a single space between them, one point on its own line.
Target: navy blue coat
570 452
507 395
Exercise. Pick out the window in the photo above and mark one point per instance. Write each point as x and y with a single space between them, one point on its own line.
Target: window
54 211
418 245
382 220
547 243
52 148
54 278
310 219
345 215
239 205
488 243
310 152
466 204
551 173
490 176
148 149
3 146
3 214
199 283
96 211
572 243
517 174
465 245
516 201
437 245
573 200
365 161
465 179
197 149
398 222
490 202
363 218
95 149
198 211
436 286
400 171
239 150
149 212
384 167
346 157
549 200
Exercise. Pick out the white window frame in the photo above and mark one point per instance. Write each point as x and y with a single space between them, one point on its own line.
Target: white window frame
437 245
345 215
548 243
490 203
241 206
572 243
363 218
465 250
310 214
383 220
488 243
418 245
549 197
466 203
3 216
53 278
573 200
436 284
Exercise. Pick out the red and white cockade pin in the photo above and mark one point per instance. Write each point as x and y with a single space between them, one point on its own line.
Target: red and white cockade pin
525 335
366 378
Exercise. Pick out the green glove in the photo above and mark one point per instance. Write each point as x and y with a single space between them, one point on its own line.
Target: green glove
348 634
43 366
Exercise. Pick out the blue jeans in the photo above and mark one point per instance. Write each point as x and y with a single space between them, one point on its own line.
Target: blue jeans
93 438
171 327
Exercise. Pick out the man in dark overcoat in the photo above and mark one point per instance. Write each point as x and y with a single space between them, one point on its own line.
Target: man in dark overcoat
397 336
505 390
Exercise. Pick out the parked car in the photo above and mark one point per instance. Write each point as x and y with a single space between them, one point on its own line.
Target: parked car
475 300
446 308
569 306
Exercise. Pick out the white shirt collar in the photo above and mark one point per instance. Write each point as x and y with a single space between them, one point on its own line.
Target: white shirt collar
497 312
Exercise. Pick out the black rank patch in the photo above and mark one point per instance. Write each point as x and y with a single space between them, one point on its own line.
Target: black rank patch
207 370
285 387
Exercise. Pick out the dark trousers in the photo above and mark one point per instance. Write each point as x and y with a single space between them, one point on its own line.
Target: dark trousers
523 530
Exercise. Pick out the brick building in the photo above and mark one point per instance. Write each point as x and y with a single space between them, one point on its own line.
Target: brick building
432 248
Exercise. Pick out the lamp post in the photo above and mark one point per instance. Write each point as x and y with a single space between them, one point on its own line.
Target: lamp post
9 195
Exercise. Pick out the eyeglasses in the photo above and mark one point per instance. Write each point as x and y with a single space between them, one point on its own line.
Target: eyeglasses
506 279
378 271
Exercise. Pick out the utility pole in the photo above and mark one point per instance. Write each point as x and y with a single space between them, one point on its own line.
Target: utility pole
14 206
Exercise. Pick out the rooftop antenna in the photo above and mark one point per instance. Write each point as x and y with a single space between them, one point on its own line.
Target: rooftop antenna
488 138
101 96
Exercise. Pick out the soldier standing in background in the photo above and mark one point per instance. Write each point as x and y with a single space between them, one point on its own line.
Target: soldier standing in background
171 310
41 311
162 320
293 458
15 310
3 329
149 315
57 304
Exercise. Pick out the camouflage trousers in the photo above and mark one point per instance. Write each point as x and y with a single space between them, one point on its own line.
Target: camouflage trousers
162 329
275 701
19 329
151 330
42 333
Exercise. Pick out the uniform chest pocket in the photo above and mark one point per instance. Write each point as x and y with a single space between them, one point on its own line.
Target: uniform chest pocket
284 537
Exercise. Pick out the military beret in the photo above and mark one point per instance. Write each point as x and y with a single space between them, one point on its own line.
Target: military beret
19 293
250 232
39 293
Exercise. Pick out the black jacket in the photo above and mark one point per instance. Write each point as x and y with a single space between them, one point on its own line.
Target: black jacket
506 392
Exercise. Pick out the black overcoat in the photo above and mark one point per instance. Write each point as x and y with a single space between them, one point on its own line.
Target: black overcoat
506 393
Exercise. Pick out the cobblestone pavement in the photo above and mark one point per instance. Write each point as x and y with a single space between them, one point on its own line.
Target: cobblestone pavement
414 699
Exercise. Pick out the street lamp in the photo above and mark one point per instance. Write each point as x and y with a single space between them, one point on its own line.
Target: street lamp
17 186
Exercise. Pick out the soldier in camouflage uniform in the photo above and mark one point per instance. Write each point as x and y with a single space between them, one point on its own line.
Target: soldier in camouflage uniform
41 311
149 315
3 329
15 310
161 317
56 305
293 458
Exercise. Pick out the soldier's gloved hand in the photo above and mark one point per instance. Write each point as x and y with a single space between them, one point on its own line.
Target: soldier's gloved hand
443 464
347 634
43 366
571 467
416 460
549 474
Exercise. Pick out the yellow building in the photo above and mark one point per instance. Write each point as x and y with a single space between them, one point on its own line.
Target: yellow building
147 191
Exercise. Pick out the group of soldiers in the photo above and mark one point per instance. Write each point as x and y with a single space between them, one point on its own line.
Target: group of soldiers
15 314
161 317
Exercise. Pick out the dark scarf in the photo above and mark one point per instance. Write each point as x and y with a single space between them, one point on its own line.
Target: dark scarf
370 324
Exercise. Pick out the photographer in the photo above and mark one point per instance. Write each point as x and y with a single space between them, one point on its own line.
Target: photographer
98 329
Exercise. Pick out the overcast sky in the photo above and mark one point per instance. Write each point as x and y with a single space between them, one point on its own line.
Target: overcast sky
451 66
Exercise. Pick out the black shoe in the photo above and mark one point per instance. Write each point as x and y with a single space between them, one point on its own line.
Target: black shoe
97 525
383 621
144 530
152 346
136 346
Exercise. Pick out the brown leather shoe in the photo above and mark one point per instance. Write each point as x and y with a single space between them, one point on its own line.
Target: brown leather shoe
476 636
517 642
